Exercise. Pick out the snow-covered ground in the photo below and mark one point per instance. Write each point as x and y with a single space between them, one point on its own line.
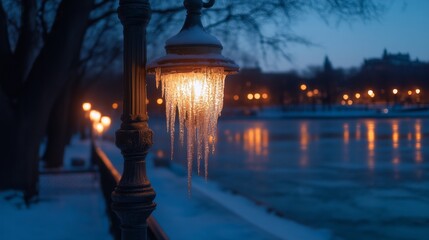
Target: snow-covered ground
210 212
70 207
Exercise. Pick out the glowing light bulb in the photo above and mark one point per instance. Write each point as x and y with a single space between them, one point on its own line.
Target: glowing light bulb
257 96
250 96
115 106
303 87
86 106
395 91
264 96
417 91
106 121
99 128
345 96
357 95
197 98
94 115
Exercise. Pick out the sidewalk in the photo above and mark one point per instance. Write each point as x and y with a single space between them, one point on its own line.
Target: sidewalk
70 207
210 212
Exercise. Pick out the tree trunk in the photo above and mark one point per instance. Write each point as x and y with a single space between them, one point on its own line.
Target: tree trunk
45 81
57 129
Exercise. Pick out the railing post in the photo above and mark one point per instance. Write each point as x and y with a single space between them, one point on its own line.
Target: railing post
133 197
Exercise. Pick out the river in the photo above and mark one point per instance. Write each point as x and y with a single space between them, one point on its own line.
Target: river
359 178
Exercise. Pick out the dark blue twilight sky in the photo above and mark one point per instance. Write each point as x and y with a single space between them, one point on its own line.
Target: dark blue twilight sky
404 27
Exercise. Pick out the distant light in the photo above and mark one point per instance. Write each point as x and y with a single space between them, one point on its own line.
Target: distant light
410 92
309 94
99 128
345 96
86 106
264 95
370 92
115 105
147 101
106 121
418 91
349 102
316 91
236 97
159 101
357 95
257 96
395 91
160 154
385 110
303 87
250 96
94 115
343 102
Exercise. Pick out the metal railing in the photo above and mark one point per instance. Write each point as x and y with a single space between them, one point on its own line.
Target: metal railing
109 178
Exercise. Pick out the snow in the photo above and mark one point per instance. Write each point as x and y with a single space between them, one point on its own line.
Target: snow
70 206
210 212
193 36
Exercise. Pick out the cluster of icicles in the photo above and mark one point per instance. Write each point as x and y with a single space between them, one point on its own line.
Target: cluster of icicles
197 97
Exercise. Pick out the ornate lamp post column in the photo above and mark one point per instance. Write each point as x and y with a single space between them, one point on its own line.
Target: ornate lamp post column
133 197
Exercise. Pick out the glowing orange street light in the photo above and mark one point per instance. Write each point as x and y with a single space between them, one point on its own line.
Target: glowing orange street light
99 128
357 95
257 96
417 91
250 96
410 92
236 97
86 106
264 95
310 94
94 115
316 91
303 87
159 101
115 105
106 121
345 96
350 102
371 93
395 91
343 102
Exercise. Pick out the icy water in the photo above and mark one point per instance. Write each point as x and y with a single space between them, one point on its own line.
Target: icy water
360 178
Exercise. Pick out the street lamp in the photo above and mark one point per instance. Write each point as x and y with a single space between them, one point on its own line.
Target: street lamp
86 106
106 121
191 76
94 116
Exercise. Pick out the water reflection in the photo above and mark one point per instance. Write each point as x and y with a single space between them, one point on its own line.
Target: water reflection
395 134
255 143
303 143
370 126
418 144
346 133
303 136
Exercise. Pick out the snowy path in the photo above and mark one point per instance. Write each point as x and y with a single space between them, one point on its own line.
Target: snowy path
211 213
70 207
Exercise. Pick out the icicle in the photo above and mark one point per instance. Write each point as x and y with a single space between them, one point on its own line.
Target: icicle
197 98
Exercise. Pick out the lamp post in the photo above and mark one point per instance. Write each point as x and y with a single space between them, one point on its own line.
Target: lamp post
192 75
132 199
